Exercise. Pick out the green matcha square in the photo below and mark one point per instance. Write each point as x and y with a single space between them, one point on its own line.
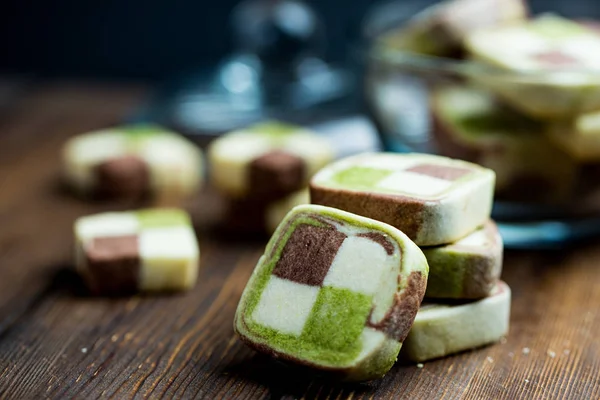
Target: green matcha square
446 280
142 131
496 120
137 135
162 218
361 176
273 128
337 319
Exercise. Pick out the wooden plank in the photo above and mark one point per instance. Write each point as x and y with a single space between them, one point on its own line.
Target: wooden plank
55 342
35 214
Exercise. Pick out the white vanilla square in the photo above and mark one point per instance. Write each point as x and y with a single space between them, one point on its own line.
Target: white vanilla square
285 305
414 183
307 146
95 148
358 266
109 224
168 243
370 339
243 147
387 162
477 239
165 151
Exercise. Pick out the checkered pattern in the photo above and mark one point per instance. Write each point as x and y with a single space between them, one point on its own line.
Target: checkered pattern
547 42
166 244
410 175
173 161
255 141
321 290
232 154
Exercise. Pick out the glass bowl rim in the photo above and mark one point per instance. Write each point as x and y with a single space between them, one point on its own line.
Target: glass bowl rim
377 22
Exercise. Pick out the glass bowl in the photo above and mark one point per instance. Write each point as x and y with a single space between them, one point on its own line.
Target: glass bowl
513 122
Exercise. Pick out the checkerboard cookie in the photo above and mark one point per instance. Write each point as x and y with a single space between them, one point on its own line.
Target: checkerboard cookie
333 291
444 329
471 125
434 200
147 250
554 53
266 161
439 30
131 162
467 269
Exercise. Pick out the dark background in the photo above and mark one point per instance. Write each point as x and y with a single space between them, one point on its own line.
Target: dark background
154 39
141 39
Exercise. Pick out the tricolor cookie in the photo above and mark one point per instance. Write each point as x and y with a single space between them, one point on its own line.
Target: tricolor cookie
333 291
443 329
147 250
132 161
470 124
467 269
433 200
439 30
266 161
559 58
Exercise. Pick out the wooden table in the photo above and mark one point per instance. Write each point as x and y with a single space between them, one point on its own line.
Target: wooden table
55 342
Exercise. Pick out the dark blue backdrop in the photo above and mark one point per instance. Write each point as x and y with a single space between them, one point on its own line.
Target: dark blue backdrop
151 39
146 39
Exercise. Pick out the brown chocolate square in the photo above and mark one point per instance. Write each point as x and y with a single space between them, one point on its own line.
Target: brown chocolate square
556 58
113 264
276 173
308 254
124 177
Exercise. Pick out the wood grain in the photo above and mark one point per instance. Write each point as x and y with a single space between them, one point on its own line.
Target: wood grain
57 343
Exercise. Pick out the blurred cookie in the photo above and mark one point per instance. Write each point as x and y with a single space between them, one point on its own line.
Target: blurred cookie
126 252
132 162
266 161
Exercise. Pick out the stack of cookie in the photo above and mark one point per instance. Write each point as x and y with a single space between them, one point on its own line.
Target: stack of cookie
263 171
444 206
340 287
521 101
334 291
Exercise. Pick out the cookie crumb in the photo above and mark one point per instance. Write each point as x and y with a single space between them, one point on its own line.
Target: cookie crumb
526 380
551 354
490 359
419 365
526 350
84 350
114 338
